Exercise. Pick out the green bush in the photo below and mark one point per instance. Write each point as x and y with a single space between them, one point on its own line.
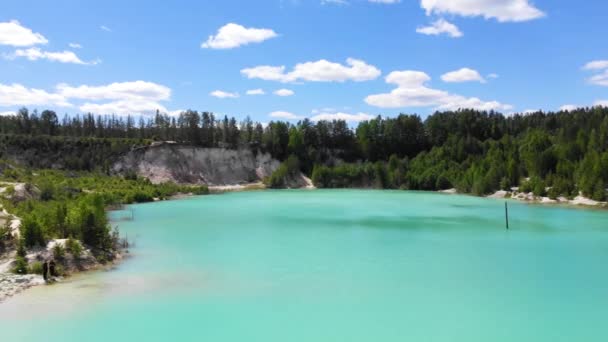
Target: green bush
288 169
539 189
21 252
525 186
599 192
200 190
20 266
32 232
58 251
35 268
59 270
505 184
74 247
5 231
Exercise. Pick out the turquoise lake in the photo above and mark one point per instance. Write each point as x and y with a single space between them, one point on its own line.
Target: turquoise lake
335 265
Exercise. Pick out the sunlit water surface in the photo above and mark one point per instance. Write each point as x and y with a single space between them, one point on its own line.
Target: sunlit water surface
335 266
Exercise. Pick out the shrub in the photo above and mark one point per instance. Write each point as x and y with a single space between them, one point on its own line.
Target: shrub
5 231
58 251
505 184
35 268
526 186
21 252
59 270
47 191
20 266
443 182
200 190
553 193
74 247
288 169
599 192
539 189
32 232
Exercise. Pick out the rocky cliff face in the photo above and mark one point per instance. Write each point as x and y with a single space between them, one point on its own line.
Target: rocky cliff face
196 165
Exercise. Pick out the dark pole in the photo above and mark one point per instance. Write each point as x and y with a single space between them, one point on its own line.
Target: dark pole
507 215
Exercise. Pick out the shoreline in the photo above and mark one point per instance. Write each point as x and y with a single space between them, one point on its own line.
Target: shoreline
578 202
12 284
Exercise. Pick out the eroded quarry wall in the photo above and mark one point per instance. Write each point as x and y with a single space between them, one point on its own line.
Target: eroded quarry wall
197 165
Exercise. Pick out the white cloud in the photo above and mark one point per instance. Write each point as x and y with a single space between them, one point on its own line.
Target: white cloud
600 79
456 102
568 107
256 92
596 65
7 113
13 34
105 28
34 54
319 71
220 94
75 46
234 35
138 97
284 92
601 67
18 95
463 75
342 116
345 2
176 112
284 115
334 2
493 76
412 91
136 90
501 10
132 106
602 103
441 26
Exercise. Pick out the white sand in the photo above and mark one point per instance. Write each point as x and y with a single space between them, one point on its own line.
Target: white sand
309 184
237 187
529 197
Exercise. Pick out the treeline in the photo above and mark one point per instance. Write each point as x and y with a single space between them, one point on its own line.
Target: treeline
554 154
561 153
68 153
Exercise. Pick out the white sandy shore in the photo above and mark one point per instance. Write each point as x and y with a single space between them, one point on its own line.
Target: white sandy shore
237 187
579 200
12 284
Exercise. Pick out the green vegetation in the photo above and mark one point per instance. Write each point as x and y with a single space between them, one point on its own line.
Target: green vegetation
72 205
35 268
289 169
74 247
477 152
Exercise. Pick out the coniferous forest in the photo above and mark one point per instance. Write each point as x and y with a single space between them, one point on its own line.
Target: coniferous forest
554 154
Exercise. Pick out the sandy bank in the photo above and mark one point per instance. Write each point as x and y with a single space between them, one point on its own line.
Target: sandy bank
12 284
579 200
237 187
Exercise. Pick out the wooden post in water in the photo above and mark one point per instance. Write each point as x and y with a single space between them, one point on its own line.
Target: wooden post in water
507 215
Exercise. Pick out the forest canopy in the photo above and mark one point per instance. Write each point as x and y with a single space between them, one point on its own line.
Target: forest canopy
555 153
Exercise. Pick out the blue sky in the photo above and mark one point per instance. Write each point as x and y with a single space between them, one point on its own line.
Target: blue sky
352 58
